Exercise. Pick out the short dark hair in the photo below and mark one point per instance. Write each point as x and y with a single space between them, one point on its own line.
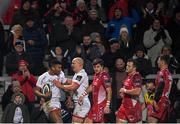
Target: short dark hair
133 61
98 61
54 62
165 58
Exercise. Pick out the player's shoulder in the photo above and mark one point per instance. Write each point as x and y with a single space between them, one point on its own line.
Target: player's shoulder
137 75
43 75
82 73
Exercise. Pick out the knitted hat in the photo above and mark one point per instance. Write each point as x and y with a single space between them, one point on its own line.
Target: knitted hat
123 28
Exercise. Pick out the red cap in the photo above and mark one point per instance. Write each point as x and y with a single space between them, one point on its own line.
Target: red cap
23 62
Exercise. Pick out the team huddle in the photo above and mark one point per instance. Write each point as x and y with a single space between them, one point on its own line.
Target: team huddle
51 83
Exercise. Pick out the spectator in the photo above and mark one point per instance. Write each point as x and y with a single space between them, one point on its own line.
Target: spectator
148 12
118 20
88 52
93 4
25 11
16 112
13 7
96 39
119 75
125 42
55 17
36 41
111 55
27 82
80 13
93 24
174 31
161 11
14 35
155 38
2 39
122 4
173 64
58 54
14 87
172 5
13 58
149 97
69 35
142 60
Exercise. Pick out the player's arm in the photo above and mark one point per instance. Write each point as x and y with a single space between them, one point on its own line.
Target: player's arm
109 94
37 91
136 91
107 84
86 92
70 87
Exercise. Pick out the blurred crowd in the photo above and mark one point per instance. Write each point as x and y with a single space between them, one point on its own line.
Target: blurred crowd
44 29
114 30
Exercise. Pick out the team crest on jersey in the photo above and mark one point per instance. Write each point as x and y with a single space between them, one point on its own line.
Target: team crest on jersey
78 78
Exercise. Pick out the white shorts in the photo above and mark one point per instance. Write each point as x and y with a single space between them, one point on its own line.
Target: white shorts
48 106
81 111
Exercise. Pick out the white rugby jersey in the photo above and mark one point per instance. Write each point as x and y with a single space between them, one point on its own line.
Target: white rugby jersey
46 78
80 78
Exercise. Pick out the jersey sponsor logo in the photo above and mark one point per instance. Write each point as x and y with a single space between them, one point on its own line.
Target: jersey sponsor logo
78 78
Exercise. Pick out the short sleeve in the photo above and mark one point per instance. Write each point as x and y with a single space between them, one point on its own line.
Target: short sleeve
39 82
63 78
106 79
137 80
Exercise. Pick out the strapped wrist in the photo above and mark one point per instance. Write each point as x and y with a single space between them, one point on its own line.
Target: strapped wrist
85 93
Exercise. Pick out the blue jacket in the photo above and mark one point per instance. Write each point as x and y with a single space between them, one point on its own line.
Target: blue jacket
117 23
37 50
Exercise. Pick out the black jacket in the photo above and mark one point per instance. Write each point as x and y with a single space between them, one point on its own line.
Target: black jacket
8 114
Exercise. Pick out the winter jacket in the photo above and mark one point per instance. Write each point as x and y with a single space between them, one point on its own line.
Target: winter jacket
154 41
27 85
38 35
114 25
9 112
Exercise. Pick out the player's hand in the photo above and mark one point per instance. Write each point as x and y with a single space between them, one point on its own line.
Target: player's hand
47 96
57 83
107 110
121 95
122 90
155 105
80 100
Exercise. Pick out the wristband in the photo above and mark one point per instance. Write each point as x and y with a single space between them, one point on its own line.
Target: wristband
108 103
84 94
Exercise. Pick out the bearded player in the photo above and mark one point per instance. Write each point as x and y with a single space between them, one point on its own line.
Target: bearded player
130 109
78 85
163 84
101 93
52 105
